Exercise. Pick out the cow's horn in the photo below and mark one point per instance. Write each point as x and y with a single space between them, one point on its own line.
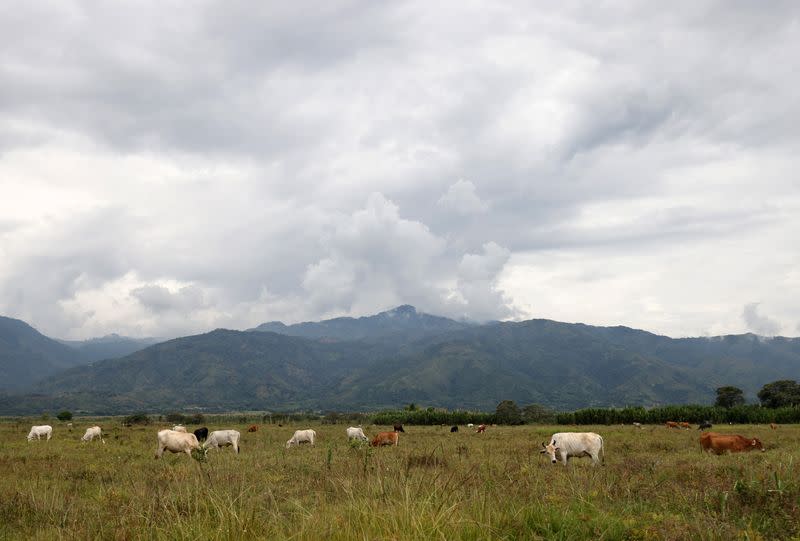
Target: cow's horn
543 445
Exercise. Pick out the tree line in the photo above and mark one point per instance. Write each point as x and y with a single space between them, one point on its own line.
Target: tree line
779 403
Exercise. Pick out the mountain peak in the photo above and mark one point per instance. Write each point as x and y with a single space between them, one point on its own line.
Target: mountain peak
402 310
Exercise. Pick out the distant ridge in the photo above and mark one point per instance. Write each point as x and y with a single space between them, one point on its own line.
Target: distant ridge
403 322
110 346
26 355
401 356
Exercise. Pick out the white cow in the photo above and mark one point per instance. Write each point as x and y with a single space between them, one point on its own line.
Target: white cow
223 438
176 442
179 428
470 425
356 433
302 436
575 444
93 432
39 431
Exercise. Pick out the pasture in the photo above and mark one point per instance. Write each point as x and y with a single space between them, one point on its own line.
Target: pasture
656 484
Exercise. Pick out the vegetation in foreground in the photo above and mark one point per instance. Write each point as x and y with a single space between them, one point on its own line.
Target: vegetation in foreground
656 484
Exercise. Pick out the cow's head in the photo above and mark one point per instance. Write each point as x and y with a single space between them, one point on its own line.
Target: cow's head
755 443
290 443
552 450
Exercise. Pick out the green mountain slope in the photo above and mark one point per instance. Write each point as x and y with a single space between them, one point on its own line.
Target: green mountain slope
27 356
562 365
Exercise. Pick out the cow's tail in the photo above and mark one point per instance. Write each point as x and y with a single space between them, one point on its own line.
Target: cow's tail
602 451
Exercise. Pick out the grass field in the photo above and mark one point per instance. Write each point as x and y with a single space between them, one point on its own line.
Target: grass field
656 484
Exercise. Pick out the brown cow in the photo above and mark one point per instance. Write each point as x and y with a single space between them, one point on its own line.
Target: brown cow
385 438
773 426
398 427
253 428
685 425
733 443
481 428
672 424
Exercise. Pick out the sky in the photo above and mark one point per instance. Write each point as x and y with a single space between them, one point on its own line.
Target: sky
170 168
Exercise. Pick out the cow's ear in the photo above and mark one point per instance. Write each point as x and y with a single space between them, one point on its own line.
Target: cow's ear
543 451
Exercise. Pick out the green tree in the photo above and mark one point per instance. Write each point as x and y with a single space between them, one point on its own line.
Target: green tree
176 417
728 397
137 419
508 413
785 392
536 413
64 416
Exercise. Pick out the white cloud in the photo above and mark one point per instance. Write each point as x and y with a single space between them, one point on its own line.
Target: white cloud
758 323
461 198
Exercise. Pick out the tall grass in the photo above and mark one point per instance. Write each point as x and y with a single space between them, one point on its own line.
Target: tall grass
436 485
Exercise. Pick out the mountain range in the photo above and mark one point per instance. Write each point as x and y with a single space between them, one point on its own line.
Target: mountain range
394 358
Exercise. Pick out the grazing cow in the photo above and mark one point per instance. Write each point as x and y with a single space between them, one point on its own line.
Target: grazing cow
223 438
179 428
672 424
302 436
773 426
252 428
453 429
93 432
575 444
685 425
470 425
39 431
201 433
481 429
69 427
704 425
385 438
176 442
398 428
356 433
637 425
733 443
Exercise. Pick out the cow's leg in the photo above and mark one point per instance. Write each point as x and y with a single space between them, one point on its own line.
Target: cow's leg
159 451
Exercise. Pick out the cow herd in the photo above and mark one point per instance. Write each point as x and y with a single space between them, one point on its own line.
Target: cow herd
561 447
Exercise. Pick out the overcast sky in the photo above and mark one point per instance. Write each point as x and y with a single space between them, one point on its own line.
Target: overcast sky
168 170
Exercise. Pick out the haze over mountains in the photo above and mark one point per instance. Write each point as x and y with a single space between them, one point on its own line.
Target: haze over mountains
388 360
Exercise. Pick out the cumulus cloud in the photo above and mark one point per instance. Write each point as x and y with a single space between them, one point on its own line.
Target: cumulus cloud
759 323
461 198
376 259
625 164
160 299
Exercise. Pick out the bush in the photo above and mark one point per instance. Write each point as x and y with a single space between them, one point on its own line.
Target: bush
136 419
64 416
177 418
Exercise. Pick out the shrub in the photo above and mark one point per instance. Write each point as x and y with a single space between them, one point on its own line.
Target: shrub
136 419
64 416
175 417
